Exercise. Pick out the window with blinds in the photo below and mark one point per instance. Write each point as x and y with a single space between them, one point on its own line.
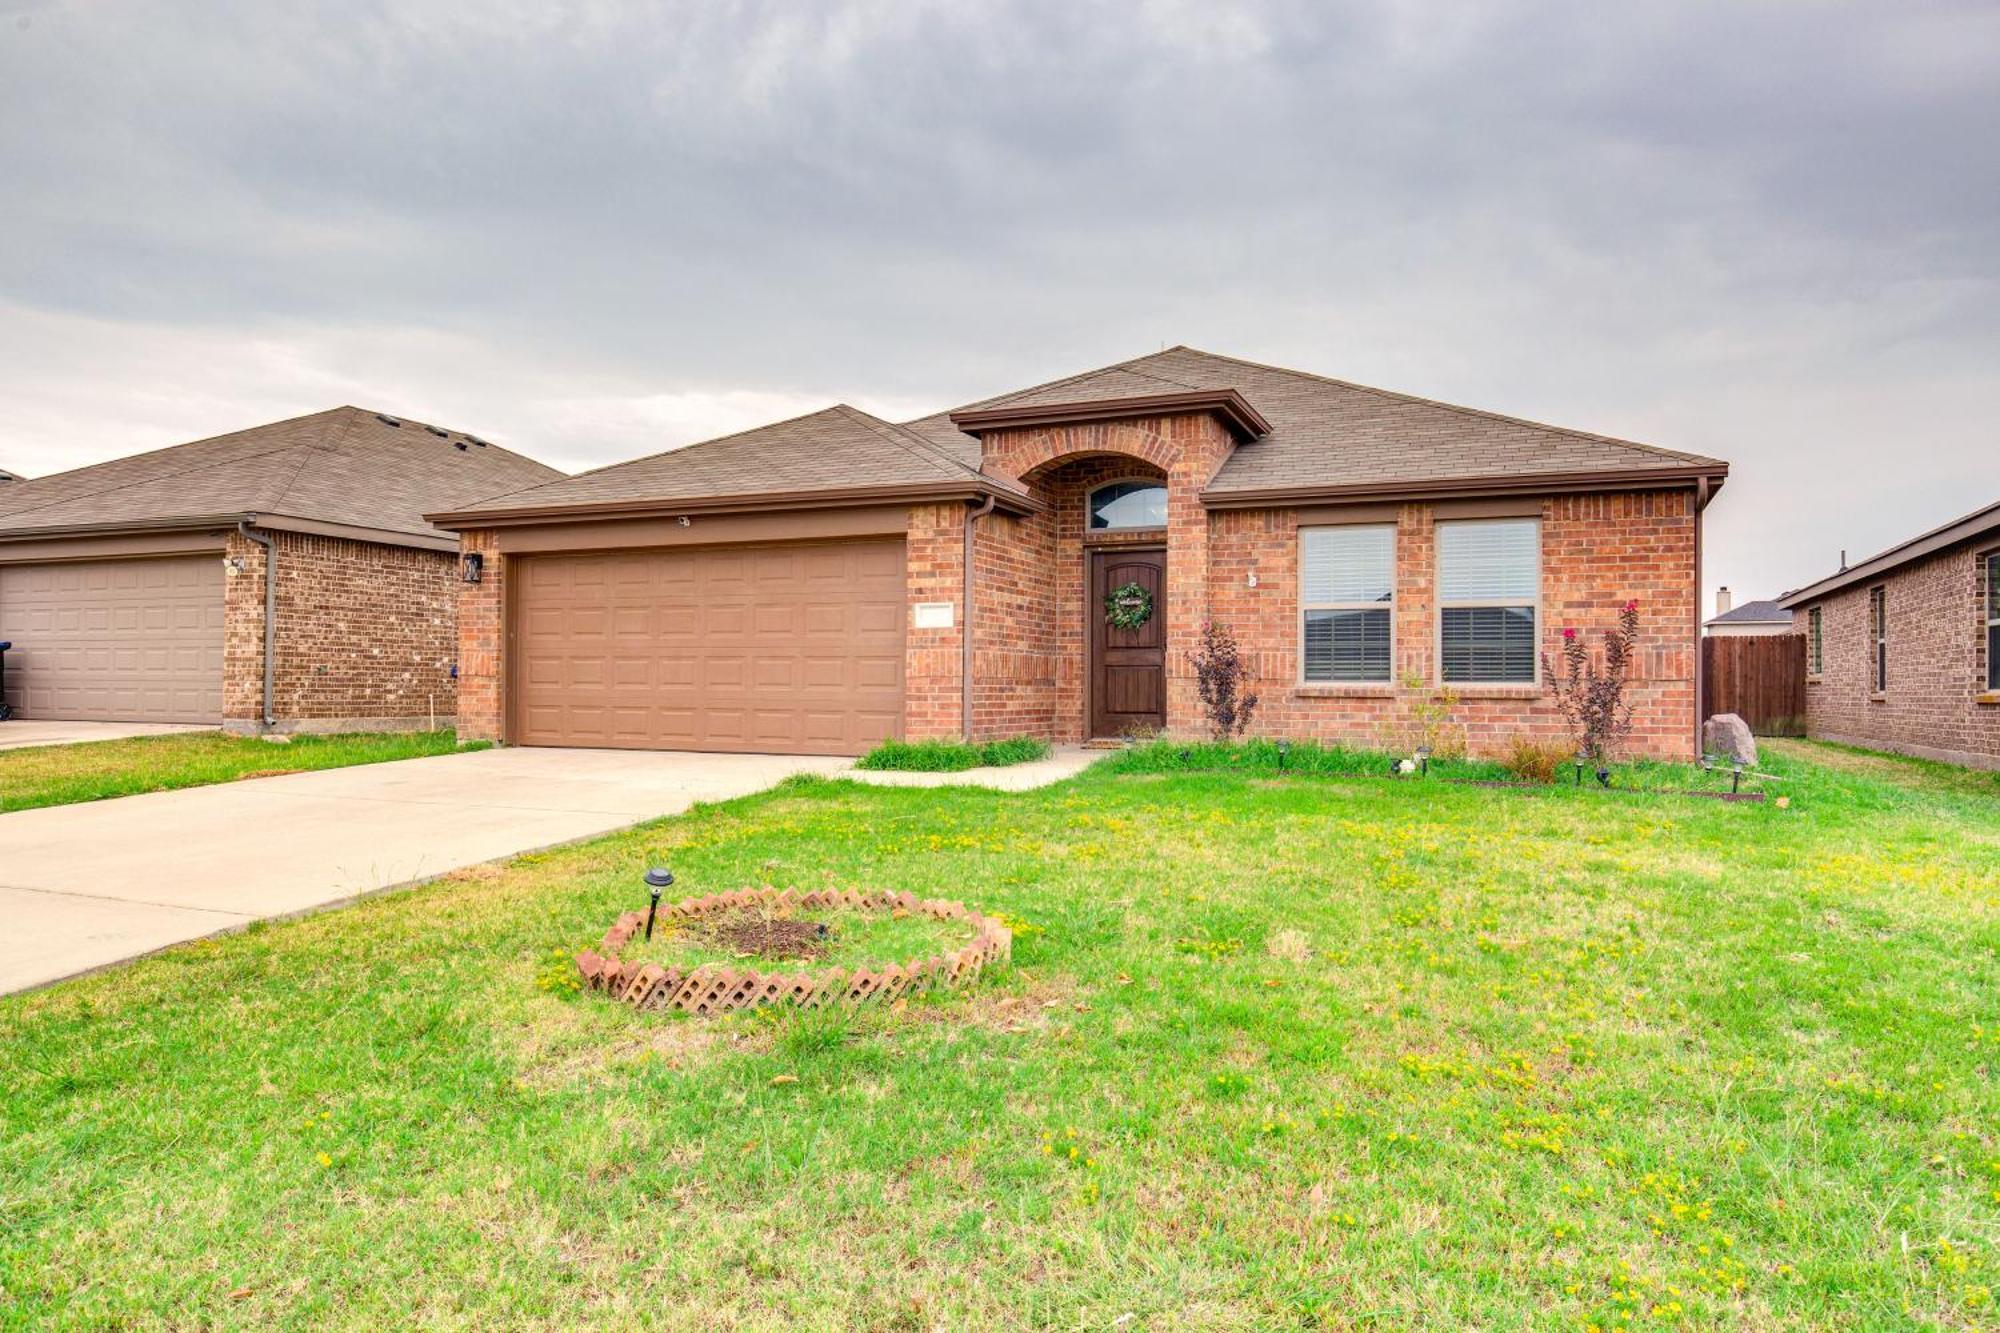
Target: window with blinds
1489 588
1878 636
1347 588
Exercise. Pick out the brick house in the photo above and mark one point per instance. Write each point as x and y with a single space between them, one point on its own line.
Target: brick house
1903 649
136 590
804 586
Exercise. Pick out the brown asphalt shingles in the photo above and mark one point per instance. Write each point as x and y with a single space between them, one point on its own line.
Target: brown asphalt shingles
346 465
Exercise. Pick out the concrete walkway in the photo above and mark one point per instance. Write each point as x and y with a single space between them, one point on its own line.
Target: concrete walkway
20 733
82 886
1066 761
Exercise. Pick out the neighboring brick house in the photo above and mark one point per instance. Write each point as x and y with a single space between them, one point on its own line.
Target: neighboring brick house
136 590
1903 649
1751 620
802 587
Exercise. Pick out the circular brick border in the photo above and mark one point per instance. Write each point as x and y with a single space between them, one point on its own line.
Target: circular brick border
713 988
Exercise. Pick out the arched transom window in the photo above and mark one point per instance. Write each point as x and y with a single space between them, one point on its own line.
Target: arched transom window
1129 504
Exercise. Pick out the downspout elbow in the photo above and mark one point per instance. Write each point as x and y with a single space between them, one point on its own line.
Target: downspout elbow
972 516
245 530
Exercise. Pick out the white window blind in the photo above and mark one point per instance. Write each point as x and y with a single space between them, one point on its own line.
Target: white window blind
1489 586
1347 583
1993 621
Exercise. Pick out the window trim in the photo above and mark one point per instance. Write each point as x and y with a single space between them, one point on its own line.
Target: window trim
1437 620
1090 505
1878 640
1299 624
1989 569
1815 643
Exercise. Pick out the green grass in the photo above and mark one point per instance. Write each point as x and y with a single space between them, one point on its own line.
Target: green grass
1274 1052
952 756
65 774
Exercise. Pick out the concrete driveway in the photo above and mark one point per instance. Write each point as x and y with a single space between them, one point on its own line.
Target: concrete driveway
19 733
82 886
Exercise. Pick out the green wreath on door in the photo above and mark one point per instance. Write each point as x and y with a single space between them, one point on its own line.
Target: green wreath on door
1128 606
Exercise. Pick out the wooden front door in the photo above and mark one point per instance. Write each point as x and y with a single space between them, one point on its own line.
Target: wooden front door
1128 667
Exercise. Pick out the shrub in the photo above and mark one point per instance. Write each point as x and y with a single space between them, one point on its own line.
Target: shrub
1426 720
1592 699
1219 678
952 756
1535 761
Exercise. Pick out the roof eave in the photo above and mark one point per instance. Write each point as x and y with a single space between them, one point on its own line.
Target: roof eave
196 523
1972 527
1707 478
1232 408
973 488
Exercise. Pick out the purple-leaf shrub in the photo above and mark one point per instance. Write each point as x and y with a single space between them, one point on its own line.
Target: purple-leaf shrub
1592 698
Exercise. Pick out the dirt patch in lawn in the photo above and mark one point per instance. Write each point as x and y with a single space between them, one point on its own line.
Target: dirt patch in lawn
758 935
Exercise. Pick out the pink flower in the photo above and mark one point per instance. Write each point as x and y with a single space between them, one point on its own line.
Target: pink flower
1568 634
1632 605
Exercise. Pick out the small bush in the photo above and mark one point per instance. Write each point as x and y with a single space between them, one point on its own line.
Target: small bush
952 756
1535 761
1220 677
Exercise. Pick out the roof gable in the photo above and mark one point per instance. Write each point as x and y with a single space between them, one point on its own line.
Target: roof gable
1752 613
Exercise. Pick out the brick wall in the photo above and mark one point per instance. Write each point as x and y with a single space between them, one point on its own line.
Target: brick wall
481 659
1937 663
1598 551
933 706
366 635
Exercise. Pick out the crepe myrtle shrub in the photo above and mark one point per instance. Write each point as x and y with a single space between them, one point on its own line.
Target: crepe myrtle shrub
1219 676
1590 697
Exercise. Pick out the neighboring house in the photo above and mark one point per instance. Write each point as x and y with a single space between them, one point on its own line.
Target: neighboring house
803 586
1903 649
135 590
1747 620
10 476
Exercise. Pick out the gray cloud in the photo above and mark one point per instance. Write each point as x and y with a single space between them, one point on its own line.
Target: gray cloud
1767 233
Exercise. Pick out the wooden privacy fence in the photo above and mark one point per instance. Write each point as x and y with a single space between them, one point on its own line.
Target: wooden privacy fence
1761 678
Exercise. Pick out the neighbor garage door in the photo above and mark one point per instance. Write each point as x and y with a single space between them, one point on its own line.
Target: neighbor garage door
115 640
793 648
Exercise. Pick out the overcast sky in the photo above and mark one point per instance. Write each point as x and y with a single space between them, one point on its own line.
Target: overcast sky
591 231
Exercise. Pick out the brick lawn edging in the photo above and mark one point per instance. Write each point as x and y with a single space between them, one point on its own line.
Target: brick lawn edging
711 988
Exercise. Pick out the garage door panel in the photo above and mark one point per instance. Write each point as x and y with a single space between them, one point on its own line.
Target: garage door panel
115 640
786 648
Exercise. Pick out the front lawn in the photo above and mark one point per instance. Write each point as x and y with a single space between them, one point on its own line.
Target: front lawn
1277 1051
92 770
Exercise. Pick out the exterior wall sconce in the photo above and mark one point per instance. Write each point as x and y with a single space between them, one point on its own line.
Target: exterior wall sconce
471 566
234 562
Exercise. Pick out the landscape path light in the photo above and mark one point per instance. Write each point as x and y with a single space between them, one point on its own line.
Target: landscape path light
657 879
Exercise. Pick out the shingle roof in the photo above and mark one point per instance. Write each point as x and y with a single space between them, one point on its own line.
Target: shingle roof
1324 433
1752 613
1975 526
346 466
838 448
5 475
1329 433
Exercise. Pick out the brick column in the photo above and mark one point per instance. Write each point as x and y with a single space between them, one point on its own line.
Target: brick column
482 642
933 705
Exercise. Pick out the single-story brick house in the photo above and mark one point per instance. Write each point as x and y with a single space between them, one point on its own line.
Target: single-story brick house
137 590
804 586
1903 649
1748 621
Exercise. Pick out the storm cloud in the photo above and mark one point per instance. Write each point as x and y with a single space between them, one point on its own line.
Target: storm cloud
590 231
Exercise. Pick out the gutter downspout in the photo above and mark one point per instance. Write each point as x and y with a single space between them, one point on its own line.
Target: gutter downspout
1702 495
965 666
270 546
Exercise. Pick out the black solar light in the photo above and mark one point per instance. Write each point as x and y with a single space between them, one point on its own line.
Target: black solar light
1603 777
1424 759
658 878
1736 777
1581 757
1186 757
1284 753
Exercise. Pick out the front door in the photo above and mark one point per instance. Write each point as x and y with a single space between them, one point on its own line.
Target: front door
1128 667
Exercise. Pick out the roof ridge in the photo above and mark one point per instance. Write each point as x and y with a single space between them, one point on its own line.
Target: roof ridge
149 477
205 439
1071 379
907 440
680 448
1480 412
305 455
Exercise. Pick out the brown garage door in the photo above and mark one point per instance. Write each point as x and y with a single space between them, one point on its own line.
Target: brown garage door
115 640
794 648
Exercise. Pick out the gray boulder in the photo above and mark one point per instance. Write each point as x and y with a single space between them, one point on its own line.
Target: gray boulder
1729 736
